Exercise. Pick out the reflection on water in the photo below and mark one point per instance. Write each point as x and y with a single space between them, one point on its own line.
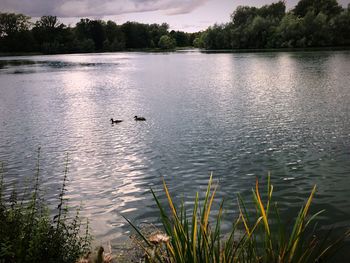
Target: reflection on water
236 115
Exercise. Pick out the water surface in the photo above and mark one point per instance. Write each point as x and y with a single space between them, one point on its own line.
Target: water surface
238 116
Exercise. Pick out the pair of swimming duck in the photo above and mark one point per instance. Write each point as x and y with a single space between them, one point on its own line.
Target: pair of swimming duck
136 118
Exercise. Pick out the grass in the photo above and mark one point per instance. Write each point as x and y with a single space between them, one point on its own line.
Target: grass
29 232
258 234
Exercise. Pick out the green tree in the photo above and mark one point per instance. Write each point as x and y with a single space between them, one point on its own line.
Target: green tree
166 42
115 39
182 38
259 32
327 7
11 23
14 33
198 42
217 37
340 26
243 15
97 33
274 10
316 30
253 27
82 29
156 31
51 35
321 36
117 44
136 34
86 45
289 33
311 23
49 22
111 29
94 30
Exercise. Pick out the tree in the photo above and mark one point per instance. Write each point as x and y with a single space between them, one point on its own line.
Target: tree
111 30
155 33
97 33
198 42
14 33
243 15
115 38
198 39
340 26
13 23
327 7
86 45
311 23
50 34
94 30
82 29
275 10
321 35
49 22
182 38
166 42
253 27
289 33
136 34
259 32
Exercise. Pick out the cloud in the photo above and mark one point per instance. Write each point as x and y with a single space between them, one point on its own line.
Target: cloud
81 8
186 8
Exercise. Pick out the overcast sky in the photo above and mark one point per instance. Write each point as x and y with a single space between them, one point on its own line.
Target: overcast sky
186 15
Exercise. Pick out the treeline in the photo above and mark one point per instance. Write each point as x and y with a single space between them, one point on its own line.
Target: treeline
48 35
311 23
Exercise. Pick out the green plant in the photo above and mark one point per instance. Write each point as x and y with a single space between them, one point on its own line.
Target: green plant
253 237
28 234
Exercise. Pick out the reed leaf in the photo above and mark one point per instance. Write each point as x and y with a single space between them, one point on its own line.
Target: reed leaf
196 239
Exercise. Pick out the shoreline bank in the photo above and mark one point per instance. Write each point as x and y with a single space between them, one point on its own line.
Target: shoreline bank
185 49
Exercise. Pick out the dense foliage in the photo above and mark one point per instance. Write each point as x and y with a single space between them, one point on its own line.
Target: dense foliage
48 35
311 23
28 234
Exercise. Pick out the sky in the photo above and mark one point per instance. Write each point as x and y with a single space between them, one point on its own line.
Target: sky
185 15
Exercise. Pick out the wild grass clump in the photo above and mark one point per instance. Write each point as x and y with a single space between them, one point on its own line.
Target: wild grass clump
28 232
258 234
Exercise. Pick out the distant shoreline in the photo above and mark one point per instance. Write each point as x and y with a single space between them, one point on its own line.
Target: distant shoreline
258 50
147 50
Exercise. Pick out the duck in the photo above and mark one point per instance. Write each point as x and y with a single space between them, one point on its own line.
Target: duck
115 121
139 118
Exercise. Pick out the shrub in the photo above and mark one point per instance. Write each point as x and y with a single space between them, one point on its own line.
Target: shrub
29 234
166 42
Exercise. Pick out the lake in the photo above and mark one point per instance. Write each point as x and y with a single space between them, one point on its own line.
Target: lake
236 115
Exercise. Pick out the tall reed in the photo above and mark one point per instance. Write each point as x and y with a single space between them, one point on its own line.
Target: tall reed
258 234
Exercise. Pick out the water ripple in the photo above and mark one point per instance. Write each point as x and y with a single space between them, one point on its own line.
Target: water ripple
236 115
